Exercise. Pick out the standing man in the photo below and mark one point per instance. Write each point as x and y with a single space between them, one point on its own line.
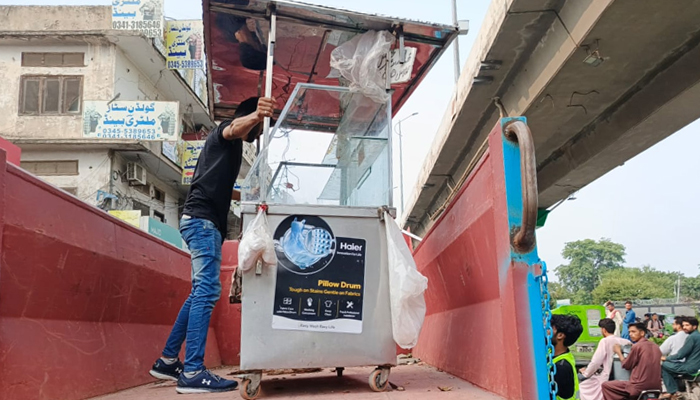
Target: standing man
643 361
690 352
630 318
203 226
614 315
566 330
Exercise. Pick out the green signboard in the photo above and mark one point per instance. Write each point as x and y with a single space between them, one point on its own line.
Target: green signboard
589 316
165 232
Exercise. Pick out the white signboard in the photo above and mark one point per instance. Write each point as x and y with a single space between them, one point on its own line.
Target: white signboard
137 120
400 72
171 151
145 16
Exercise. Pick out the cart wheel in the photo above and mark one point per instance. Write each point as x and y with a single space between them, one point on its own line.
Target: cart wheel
249 392
339 371
375 381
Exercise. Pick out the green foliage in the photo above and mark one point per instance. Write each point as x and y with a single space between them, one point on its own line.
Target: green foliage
557 292
659 341
690 288
588 261
634 283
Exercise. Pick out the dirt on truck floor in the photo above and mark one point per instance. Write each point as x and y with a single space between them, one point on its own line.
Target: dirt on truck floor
411 382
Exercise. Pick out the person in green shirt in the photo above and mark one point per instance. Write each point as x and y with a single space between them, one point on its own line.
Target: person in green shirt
672 365
566 330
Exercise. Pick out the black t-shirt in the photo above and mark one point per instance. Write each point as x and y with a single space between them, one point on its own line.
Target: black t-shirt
564 377
214 176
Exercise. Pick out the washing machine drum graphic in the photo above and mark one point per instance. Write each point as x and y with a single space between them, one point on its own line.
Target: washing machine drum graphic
305 245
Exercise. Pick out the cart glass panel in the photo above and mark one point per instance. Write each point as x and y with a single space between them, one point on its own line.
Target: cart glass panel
337 153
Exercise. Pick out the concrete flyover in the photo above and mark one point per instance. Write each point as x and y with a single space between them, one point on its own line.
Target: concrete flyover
600 81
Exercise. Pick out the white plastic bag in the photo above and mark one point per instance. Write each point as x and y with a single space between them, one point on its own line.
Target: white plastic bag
406 287
357 60
256 244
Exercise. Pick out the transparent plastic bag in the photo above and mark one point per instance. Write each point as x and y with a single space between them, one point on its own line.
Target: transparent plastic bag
357 60
256 244
406 287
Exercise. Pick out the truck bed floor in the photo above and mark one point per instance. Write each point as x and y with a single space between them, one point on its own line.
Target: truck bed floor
418 381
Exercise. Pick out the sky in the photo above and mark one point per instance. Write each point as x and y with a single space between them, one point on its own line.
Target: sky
648 204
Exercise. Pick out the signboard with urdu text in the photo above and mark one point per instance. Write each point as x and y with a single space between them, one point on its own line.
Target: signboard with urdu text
145 16
184 43
190 155
138 120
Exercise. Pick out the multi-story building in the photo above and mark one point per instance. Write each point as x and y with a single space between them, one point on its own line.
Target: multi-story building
53 60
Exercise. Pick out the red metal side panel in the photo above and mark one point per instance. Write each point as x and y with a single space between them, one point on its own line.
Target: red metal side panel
14 153
86 301
227 317
470 328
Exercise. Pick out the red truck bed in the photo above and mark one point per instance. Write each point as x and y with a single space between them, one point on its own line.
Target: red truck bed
418 381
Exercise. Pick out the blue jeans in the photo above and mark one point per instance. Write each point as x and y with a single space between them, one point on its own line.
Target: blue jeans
204 243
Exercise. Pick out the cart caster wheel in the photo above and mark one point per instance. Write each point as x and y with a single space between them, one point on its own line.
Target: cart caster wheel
339 371
249 392
376 383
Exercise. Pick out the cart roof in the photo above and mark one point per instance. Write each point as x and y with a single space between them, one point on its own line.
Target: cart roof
236 35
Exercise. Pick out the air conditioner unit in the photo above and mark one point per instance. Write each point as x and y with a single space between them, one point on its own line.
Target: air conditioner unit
135 174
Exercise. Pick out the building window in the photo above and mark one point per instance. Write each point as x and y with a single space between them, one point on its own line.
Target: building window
144 189
158 195
71 190
51 168
53 59
51 95
159 216
145 210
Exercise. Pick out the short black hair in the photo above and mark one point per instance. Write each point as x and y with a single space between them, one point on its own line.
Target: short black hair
607 324
679 320
610 303
247 107
640 326
654 314
628 302
691 320
569 325
251 58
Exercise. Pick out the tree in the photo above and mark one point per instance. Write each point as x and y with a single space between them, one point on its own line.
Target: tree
690 288
557 292
588 261
635 284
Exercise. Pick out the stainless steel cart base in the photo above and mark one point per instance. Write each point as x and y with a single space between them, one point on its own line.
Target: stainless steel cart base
251 383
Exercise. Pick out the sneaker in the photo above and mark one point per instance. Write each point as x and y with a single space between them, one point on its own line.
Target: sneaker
169 372
204 382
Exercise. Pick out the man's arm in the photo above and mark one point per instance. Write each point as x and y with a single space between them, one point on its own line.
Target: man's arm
685 351
632 359
617 349
240 127
666 345
596 362
236 195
